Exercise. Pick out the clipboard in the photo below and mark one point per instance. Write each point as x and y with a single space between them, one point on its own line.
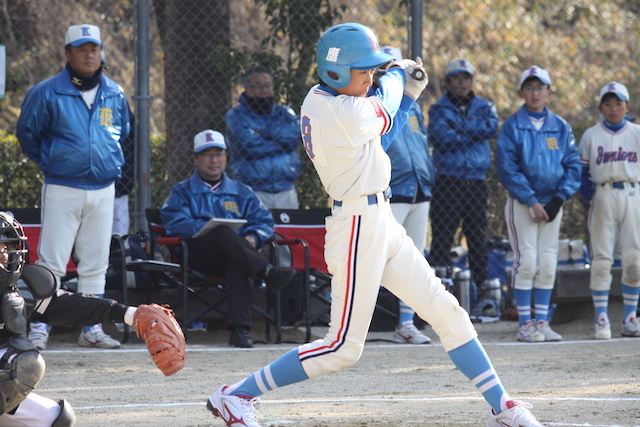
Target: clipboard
232 223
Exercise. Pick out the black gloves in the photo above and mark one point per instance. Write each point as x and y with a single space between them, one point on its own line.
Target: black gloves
553 207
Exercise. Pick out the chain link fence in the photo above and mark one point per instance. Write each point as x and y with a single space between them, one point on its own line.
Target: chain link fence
201 50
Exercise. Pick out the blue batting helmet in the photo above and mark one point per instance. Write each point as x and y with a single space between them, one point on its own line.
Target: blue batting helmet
346 46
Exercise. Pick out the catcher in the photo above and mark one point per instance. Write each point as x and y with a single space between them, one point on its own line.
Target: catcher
28 292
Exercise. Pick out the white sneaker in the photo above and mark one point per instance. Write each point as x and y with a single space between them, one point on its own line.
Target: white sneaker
410 334
39 334
235 411
518 415
528 333
603 328
549 334
631 328
95 337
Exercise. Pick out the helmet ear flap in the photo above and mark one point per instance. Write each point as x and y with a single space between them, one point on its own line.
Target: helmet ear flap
336 76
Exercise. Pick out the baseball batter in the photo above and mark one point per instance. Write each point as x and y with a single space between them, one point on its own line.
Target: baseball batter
345 128
609 153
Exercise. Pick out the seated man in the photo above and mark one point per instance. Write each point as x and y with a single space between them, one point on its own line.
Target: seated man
221 251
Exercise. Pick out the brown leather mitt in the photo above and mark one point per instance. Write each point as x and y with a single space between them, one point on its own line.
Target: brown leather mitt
158 327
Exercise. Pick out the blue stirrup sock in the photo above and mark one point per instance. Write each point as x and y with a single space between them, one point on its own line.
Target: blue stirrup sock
541 298
473 362
406 314
630 302
284 371
600 302
523 303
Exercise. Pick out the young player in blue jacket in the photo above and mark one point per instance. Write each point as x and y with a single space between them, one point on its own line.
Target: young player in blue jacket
539 165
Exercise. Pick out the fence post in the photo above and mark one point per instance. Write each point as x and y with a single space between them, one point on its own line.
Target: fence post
142 100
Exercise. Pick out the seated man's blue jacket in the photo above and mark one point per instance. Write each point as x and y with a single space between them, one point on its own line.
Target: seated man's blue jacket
191 204
264 147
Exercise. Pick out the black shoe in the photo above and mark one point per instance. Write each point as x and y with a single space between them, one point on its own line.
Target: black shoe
277 278
240 337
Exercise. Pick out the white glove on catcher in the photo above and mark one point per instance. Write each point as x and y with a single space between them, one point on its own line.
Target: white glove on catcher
416 79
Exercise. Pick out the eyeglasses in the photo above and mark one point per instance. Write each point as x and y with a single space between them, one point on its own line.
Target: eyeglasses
210 156
534 89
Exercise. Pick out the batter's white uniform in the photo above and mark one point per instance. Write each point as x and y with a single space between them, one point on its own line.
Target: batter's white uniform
365 247
612 159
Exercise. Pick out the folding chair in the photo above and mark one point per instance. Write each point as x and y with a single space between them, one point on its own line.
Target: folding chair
302 231
195 284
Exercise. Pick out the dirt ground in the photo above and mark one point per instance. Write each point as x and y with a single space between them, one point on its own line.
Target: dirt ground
577 382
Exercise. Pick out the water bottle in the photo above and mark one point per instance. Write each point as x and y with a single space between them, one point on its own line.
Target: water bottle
462 288
493 290
444 272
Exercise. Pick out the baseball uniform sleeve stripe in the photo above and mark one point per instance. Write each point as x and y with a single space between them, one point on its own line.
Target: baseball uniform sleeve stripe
347 308
381 111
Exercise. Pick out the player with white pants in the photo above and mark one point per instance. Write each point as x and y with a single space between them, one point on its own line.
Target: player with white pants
345 130
539 165
609 153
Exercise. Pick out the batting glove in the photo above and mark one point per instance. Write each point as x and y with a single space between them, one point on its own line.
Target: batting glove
405 64
416 79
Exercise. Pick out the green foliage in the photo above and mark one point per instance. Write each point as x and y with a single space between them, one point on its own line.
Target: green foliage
160 184
20 178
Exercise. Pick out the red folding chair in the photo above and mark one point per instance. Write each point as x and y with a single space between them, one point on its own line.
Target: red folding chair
302 233
299 244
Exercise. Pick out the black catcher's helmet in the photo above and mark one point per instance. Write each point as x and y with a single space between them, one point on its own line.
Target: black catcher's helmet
11 235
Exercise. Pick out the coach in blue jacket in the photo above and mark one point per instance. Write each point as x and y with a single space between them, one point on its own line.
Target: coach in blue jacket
263 140
210 193
461 125
72 125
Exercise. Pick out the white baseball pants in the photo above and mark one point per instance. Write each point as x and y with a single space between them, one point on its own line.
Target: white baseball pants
414 217
534 245
80 221
615 215
366 248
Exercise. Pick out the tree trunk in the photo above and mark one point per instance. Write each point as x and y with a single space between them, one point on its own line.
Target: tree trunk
197 92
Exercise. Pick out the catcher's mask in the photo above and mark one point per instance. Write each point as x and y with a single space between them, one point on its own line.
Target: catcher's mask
12 243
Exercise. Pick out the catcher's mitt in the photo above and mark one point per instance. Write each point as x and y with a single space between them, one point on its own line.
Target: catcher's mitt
164 338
